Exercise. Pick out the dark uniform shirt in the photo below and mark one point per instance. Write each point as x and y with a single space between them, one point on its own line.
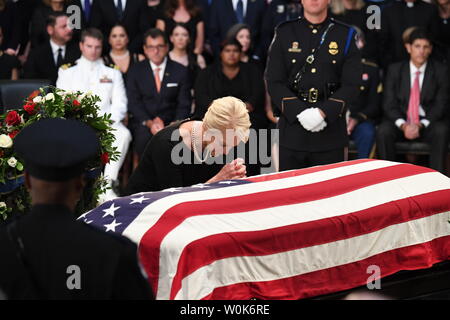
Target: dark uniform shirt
335 74
368 105
55 246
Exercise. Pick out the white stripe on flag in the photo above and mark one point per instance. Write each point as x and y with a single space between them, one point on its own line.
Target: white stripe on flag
287 264
198 227
151 214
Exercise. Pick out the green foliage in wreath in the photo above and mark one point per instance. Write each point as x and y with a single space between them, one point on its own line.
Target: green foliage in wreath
51 102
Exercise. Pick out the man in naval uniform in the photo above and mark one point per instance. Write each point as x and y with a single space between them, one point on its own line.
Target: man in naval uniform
91 74
313 72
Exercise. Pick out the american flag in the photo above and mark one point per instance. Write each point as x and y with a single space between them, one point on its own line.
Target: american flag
288 235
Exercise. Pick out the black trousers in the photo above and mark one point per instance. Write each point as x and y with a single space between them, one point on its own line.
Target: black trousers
436 135
291 159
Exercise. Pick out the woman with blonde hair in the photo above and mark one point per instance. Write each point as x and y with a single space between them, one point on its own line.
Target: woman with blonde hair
191 151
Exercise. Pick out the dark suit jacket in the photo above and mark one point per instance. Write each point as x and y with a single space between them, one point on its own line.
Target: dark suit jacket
104 17
395 19
53 241
223 17
173 102
85 23
434 94
41 64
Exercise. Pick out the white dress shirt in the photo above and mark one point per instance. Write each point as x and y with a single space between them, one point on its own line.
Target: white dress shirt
413 69
55 49
244 2
162 68
124 4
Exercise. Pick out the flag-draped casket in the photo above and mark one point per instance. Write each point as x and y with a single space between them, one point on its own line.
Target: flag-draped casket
287 235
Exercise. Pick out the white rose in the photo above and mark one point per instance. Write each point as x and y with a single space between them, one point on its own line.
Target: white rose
2 205
49 97
37 99
12 162
5 141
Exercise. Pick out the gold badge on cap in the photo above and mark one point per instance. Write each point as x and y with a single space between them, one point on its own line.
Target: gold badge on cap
333 48
294 47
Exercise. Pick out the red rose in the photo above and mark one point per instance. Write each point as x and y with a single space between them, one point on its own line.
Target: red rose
13 134
29 108
105 158
76 103
12 118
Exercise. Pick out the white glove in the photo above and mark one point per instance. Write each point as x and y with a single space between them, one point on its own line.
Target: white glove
310 119
320 127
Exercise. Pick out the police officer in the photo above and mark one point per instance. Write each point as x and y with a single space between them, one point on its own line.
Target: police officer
47 254
91 74
313 72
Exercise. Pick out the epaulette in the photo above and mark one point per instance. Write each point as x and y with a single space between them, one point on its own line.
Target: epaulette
341 23
369 63
288 22
68 65
112 65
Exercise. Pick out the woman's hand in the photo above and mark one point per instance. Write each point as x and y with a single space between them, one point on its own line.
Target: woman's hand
236 169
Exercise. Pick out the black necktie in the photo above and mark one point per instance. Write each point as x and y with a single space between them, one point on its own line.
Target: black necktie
119 9
240 11
59 58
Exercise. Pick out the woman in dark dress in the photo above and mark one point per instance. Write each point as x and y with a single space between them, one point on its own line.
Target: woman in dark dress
11 26
9 65
119 56
192 152
242 33
182 51
187 13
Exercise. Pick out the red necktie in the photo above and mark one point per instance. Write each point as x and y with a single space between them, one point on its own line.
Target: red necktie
157 79
414 101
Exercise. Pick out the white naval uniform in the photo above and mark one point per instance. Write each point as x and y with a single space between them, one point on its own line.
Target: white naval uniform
107 83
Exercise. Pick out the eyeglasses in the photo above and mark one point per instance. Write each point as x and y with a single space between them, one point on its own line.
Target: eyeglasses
158 47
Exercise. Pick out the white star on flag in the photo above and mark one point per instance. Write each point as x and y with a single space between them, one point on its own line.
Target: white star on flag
200 186
88 222
110 211
112 226
172 190
84 215
227 182
139 200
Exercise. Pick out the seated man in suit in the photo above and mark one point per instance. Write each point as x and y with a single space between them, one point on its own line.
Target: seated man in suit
416 102
158 90
91 74
45 60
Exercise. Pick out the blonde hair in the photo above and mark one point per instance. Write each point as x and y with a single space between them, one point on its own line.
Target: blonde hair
337 6
407 33
228 113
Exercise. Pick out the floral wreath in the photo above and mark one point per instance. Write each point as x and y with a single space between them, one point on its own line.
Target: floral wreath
51 102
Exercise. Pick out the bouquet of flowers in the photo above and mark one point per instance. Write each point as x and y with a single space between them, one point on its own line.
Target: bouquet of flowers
51 102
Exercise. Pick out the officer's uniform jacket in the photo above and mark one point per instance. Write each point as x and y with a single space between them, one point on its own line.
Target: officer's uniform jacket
104 81
330 83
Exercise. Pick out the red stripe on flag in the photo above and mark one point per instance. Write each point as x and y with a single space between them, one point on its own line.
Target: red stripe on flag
348 276
295 173
149 247
271 241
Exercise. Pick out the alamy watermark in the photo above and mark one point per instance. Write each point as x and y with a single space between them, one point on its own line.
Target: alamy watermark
223 148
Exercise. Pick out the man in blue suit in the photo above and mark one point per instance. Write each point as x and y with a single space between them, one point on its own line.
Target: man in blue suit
226 13
158 91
